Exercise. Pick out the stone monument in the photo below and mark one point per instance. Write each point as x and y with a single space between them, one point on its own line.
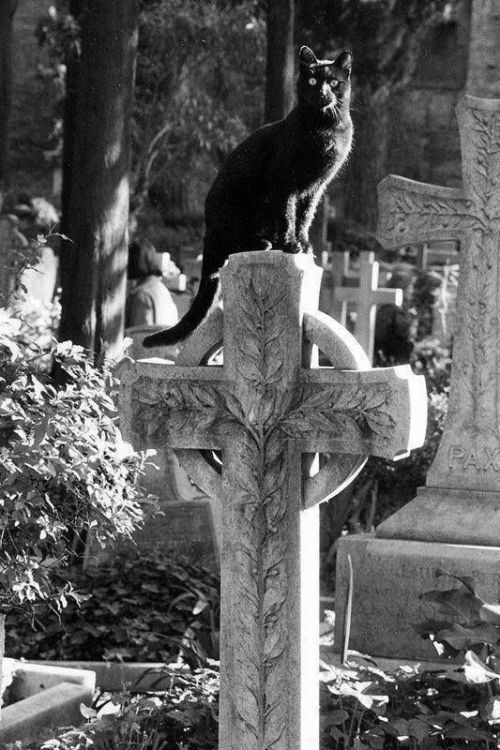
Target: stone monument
245 431
454 522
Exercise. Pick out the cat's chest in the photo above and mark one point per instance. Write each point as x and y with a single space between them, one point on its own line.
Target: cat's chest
321 152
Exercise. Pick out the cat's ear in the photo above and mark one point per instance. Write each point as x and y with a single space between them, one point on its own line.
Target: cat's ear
307 56
344 61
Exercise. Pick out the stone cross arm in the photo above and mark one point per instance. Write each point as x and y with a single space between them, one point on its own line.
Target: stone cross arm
375 412
412 212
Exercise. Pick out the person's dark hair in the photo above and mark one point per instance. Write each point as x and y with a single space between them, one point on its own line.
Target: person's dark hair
143 259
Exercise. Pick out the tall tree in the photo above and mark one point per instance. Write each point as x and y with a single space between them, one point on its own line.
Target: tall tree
7 11
280 59
72 50
94 261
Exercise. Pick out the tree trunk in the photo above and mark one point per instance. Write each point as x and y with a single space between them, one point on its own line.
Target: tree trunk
93 264
7 11
280 59
484 52
72 63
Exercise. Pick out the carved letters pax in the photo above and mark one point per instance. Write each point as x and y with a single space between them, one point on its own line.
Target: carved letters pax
413 212
262 410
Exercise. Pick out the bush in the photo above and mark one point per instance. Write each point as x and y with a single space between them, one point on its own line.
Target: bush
144 607
63 466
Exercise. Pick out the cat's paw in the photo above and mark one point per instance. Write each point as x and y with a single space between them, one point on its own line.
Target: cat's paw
292 247
306 247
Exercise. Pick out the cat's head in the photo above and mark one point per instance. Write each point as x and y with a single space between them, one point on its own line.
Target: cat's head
324 84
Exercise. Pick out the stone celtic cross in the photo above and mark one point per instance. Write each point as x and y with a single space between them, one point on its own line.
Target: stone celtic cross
367 296
464 478
264 410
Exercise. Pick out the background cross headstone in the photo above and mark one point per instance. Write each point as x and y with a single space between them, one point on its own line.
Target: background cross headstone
454 522
367 296
263 409
189 521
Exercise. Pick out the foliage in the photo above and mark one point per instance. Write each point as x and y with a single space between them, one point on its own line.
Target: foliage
143 607
183 717
63 467
383 34
411 707
198 83
470 624
363 707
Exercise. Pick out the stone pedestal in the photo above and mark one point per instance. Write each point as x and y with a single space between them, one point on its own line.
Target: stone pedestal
389 576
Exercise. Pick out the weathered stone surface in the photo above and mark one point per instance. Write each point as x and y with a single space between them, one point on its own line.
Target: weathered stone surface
263 409
367 296
484 54
389 577
460 506
469 453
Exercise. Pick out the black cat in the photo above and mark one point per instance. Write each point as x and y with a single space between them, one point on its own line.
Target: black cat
267 192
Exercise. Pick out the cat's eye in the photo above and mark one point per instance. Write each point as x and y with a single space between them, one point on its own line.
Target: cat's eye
334 83
313 81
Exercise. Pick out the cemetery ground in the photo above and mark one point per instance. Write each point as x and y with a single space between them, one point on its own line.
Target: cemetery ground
163 611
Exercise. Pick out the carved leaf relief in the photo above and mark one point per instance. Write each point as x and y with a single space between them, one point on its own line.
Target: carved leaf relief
340 409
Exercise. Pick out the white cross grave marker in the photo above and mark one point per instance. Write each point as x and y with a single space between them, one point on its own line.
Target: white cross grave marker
367 296
263 409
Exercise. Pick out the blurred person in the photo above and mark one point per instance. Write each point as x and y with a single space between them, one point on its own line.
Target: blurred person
148 300
396 327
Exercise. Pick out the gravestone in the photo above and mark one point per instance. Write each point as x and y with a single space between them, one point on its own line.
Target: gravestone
265 410
367 296
189 522
335 274
454 522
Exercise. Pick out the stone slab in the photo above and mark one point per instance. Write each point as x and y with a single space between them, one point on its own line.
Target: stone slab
389 577
58 706
422 518
32 678
116 675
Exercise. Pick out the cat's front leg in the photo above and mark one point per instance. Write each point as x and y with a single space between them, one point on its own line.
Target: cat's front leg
287 222
306 209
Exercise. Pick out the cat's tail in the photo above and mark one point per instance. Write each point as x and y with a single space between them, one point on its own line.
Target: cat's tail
195 315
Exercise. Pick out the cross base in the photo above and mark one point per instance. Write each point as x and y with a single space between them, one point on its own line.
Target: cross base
449 516
389 577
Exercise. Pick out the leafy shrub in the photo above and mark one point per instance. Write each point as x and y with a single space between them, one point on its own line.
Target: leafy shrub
362 708
470 624
63 468
365 708
144 607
